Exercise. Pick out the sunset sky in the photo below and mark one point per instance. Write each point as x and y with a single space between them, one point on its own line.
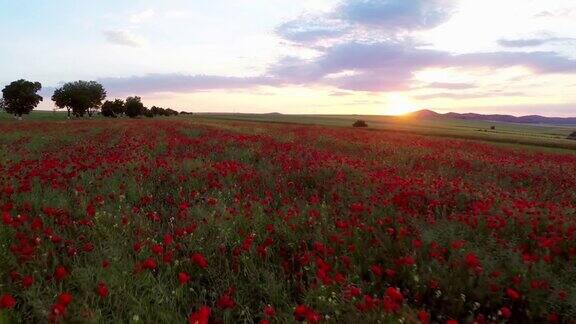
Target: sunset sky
307 56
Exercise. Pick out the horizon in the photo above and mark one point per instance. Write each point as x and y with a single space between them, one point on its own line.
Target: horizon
324 57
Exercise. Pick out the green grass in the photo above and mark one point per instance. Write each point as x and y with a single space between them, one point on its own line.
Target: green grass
529 136
38 115
547 136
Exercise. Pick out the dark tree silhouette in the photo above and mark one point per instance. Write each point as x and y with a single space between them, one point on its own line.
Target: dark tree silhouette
572 136
113 108
134 107
147 112
118 107
80 97
171 112
20 97
360 123
157 111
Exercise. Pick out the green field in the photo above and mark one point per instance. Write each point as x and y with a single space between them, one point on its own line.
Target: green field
549 136
530 136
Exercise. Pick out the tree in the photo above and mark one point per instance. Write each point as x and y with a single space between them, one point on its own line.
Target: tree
157 111
113 108
106 109
147 112
80 97
20 97
171 112
360 124
134 107
118 107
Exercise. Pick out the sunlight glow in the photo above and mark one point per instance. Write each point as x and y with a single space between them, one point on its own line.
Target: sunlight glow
399 104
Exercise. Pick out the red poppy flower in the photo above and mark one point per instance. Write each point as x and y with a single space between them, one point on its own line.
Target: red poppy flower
424 317
512 294
60 273
226 302
64 299
102 290
57 311
149 264
27 281
506 312
472 260
7 302
201 316
300 312
269 311
168 239
183 278
199 260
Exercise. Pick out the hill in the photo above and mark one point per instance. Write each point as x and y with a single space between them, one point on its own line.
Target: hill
531 119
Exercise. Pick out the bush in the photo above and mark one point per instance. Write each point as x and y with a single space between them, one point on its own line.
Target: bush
360 123
134 107
572 136
113 108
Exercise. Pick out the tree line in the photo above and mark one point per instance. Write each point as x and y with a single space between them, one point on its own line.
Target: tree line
79 98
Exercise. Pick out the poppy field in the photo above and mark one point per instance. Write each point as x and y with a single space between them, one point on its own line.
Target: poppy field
183 221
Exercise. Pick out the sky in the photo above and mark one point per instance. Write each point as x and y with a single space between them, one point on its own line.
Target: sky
302 57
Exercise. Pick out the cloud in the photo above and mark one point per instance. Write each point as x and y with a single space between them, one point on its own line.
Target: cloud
356 18
177 14
383 66
532 42
294 70
450 85
155 83
340 94
123 37
311 29
360 45
142 16
389 55
457 96
375 81
396 15
359 66
560 13
539 62
390 65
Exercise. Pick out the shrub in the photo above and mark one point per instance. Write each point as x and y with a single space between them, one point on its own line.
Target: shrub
360 123
134 107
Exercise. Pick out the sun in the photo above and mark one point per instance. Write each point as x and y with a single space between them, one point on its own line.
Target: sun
399 104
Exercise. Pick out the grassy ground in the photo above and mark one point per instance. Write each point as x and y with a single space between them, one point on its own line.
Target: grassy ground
36 115
533 135
530 136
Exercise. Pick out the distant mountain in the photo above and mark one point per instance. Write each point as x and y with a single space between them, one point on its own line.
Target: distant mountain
531 119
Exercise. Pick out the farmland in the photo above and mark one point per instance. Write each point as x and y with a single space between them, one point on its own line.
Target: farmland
213 218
